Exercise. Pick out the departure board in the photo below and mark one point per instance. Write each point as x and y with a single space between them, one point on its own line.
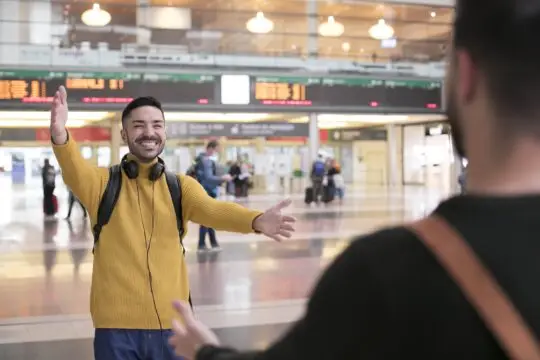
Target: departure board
288 91
180 91
413 93
103 88
353 92
348 92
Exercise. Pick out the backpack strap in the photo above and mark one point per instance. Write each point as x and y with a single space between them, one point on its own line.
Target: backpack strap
108 201
173 182
479 286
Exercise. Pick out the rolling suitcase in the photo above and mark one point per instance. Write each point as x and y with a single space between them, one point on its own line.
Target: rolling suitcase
329 193
308 199
55 204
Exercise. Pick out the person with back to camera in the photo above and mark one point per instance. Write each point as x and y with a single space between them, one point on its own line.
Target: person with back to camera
206 175
138 212
318 173
462 283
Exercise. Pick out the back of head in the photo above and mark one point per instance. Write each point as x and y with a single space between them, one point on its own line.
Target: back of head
495 48
212 146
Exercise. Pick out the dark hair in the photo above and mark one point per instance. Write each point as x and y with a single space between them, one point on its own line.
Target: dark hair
137 103
501 38
212 144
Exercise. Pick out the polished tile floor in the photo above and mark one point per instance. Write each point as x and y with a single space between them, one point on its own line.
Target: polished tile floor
250 291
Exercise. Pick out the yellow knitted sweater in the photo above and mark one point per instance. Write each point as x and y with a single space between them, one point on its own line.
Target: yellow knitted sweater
120 296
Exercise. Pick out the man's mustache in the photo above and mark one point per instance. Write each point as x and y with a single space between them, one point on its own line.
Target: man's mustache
147 138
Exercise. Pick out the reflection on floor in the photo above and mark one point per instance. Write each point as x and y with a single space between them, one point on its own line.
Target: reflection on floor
258 286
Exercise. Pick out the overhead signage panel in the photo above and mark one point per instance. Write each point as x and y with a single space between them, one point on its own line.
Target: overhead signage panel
187 91
25 86
359 134
182 130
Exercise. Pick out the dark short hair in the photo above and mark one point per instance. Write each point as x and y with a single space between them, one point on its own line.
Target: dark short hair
501 37
137 103
212 144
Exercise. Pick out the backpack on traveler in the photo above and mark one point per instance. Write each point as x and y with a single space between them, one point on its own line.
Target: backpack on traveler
319 169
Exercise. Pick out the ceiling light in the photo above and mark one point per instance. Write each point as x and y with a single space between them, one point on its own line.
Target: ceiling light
376 119
433 14
346 120
381 31
259 24
96 17
331 28
334 125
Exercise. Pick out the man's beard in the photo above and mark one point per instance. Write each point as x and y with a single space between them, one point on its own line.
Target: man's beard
136 149
452 112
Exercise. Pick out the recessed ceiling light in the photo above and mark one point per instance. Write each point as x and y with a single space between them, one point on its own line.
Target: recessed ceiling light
433 14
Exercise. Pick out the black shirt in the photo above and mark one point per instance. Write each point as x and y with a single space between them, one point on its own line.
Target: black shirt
386 297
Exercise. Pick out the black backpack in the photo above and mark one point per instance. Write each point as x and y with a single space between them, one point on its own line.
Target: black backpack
192 171
195 169
112 191
110 197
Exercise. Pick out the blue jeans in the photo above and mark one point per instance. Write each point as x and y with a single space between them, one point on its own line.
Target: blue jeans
203 230
118 344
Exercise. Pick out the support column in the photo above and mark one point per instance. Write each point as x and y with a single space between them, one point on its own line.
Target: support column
116 139
38 28
313 28
394 154
313 141
223 147
455 170
259 181
144 34
10 31
93 160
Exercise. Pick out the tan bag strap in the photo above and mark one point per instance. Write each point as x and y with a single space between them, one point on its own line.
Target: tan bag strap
479 286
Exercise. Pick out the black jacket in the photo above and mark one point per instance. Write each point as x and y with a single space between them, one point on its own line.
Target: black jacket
386 297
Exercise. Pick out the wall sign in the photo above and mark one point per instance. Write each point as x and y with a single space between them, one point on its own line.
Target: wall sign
238 130
361 134
13 134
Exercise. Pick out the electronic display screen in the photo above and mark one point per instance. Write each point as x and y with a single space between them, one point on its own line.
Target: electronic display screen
180 89
298 93
347 92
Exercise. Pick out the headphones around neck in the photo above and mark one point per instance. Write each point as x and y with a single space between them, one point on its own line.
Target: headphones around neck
131 168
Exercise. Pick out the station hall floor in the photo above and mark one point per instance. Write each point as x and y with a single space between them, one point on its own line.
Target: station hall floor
250 292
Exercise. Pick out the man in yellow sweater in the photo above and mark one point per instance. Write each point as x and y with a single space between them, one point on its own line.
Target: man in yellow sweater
138 264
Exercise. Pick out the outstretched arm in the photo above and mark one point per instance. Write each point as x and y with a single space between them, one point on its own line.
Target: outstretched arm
220 215
84 179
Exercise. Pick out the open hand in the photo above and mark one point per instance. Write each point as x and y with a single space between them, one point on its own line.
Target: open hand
190 335
59 115
274 224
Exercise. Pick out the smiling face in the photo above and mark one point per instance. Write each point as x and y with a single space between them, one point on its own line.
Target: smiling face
144 133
